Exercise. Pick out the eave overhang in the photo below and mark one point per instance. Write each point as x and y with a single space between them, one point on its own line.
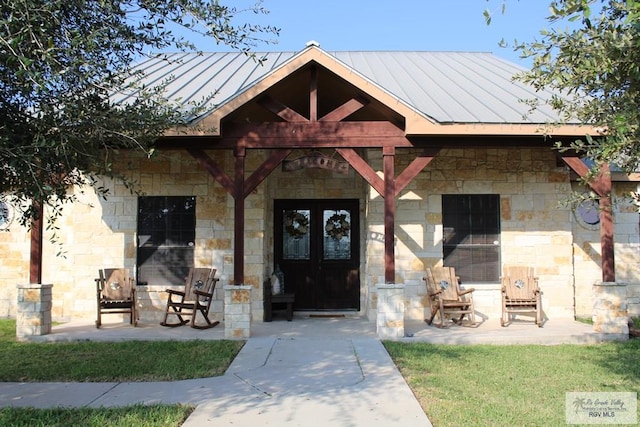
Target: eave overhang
417 124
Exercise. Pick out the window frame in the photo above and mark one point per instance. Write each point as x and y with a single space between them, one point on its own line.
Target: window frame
472 232
165 244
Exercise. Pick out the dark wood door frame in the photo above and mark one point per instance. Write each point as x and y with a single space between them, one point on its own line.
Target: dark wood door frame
320 278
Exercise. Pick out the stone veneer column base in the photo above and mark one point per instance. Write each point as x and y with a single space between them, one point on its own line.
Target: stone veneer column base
610 314
237 311
33 313
390 316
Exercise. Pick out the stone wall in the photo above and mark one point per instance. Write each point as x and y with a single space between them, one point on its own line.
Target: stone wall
536 230
587 256
95 233
633 299
610 308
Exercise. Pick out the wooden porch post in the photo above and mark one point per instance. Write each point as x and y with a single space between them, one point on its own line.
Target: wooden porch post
606 225
238 215
601 184
35 261
388 156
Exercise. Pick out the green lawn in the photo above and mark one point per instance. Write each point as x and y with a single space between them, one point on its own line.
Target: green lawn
512 385
103 361
456 385
112 361
130 416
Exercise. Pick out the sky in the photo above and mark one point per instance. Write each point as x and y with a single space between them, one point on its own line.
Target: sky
422 25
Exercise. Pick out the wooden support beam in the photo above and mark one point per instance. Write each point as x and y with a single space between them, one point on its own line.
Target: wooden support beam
601 185
606 240
313 95
363 169
282 134
210 165
263 171
388 161
414 168
35 260
238 215
606 225
281 110
345 110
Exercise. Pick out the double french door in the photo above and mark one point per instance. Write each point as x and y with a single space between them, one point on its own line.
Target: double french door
317 247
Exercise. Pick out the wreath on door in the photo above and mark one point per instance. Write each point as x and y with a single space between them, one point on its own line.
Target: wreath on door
337 226
296 224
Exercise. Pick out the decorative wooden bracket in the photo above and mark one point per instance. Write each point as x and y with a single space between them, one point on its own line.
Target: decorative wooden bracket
367 172
601 184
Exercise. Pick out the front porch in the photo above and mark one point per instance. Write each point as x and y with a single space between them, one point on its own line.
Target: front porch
555 331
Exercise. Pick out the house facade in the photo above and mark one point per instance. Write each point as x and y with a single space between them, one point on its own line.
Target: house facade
346 171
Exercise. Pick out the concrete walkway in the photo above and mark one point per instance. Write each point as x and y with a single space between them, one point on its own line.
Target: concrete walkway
324 371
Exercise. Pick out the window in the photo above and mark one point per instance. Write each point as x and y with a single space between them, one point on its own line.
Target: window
166 237
471 244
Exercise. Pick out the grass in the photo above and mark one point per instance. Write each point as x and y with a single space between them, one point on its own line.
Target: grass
108 361
103 361
585 320
511 385
137 415
456 385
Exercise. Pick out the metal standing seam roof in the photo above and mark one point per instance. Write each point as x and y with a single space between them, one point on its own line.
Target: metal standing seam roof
448 87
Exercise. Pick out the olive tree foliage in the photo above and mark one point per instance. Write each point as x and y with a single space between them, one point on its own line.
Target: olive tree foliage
591 56
60 63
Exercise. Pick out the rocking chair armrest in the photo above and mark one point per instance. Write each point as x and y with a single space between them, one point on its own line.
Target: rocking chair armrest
466 291
175 292
203 294
433 294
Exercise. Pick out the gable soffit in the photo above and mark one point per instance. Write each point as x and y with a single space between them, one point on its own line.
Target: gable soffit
294 92
290 86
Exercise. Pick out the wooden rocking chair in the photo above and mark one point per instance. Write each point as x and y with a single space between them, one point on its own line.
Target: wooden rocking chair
446 297
116 293
520 294
196 298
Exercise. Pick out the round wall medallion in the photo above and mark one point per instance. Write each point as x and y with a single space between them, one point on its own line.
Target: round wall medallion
588 214
6 215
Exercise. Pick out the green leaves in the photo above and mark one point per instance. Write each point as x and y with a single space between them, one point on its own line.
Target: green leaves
60 63
594 61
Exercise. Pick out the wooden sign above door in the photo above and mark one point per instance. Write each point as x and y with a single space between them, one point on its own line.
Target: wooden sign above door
316 160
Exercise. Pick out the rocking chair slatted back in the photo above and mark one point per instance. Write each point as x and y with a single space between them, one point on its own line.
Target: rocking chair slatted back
520 283
115 284
446 297
444 282
195 298
520 294
116 294
199 279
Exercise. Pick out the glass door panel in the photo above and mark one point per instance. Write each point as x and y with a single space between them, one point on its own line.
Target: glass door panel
337 234
296 239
